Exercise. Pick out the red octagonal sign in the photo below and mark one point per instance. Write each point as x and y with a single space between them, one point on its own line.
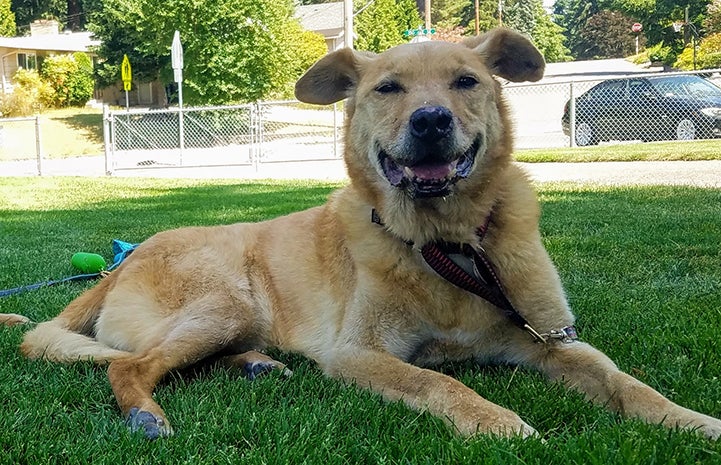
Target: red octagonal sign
637 27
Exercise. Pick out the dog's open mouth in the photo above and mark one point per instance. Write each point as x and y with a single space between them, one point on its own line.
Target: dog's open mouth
430 179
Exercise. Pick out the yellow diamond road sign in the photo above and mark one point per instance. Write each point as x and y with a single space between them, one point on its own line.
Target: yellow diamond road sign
126 73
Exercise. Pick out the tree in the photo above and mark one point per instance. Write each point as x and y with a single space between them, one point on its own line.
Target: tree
572 16
487 16
712 22
548 36
382 24
234 50
607 35
27 11
7 19
448 14
708 54
521 16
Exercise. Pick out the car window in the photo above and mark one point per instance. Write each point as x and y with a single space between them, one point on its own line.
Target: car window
669 87
678 86
638 88
609 90
702 88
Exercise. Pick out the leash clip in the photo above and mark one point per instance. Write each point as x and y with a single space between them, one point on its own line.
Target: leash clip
565 335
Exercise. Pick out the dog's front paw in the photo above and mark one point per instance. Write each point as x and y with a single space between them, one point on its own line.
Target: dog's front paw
152 426
252 370
704 425
515 429
507 425
707 426
12 319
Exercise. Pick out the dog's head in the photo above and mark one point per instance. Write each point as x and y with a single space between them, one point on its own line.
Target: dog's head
423 119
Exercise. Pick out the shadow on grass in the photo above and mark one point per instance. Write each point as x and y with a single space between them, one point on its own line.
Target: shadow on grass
89 125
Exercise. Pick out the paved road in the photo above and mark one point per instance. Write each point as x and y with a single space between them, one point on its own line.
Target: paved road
691 173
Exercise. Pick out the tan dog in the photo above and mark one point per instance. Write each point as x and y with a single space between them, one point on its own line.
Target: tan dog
428 146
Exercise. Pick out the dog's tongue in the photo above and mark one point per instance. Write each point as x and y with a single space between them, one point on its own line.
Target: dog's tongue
432 171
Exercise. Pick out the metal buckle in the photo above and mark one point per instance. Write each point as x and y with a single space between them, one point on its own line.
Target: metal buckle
565 335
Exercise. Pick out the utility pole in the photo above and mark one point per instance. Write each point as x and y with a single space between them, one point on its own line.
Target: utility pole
478 31
427 5
348 23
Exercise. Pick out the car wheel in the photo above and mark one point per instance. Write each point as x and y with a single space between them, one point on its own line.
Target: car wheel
585 134
685 129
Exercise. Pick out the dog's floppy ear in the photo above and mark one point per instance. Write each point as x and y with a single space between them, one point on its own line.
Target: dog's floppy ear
509 55
332 78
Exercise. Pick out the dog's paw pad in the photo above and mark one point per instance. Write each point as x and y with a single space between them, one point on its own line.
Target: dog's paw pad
151 426
254 369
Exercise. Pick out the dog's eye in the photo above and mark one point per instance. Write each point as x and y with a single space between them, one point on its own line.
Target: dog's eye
466 82
389 87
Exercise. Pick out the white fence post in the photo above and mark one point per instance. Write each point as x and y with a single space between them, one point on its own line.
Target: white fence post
107 137
38 145
572 114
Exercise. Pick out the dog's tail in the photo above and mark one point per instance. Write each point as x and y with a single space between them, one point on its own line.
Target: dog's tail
68 337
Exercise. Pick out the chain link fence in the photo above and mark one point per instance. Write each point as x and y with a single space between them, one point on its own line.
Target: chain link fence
20 141
264 132
643 107
637 108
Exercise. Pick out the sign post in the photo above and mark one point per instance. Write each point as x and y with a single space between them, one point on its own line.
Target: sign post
126 74
636 28
176 55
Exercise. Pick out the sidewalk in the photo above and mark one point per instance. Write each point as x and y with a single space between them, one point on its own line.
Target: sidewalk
690 173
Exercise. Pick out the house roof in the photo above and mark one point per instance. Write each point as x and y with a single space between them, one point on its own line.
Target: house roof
73 42
321 16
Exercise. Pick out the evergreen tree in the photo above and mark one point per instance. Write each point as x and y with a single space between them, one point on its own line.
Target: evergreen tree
548 36
521 16
449 14
383 24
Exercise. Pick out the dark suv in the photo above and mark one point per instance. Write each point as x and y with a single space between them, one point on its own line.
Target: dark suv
677 107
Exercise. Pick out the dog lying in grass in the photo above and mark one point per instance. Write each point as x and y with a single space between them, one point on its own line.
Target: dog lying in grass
431 253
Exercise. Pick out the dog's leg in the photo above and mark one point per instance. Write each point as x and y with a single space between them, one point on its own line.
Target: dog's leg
199 333
426 390
253 364
589 371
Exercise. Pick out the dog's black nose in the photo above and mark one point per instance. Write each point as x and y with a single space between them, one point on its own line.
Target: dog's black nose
431 124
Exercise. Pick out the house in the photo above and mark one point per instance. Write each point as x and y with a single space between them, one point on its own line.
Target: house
326 19
28 52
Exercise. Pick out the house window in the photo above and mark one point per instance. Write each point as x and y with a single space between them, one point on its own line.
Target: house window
27 61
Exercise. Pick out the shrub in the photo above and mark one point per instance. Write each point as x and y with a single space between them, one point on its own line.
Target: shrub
30 95
71 76
708 54
710 51
661 53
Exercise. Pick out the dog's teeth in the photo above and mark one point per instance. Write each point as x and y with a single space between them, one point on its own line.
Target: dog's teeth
408 172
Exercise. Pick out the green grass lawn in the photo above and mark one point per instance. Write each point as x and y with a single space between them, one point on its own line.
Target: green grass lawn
656 151
642 268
